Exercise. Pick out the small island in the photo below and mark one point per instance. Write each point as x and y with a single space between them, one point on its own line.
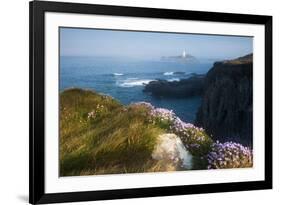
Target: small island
184 57
183 88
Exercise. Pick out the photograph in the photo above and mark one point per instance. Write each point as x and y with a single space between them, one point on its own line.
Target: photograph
132 102
142 101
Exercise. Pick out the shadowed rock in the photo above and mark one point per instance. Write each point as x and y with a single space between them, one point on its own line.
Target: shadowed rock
176 89
226 111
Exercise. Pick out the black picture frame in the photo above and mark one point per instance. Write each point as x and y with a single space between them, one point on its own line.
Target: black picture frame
37 194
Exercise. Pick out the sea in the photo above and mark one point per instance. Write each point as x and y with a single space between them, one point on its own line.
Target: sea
124 79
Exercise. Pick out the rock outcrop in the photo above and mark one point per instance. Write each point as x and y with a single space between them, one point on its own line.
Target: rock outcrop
171 151
226 111
183 88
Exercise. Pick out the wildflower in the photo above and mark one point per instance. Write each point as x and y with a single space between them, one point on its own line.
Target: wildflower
91 114
163 114
194 145
194 138
229 155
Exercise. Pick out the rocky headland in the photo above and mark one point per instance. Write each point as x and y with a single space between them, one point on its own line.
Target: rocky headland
226 91
226 111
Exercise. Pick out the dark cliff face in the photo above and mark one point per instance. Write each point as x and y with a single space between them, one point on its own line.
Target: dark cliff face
226 111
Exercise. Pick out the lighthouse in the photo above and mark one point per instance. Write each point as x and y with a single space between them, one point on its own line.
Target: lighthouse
184 54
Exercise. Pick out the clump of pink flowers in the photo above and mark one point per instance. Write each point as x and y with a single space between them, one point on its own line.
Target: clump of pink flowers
91 114
197 141
229 155
163 114
194 138
180 126
96 112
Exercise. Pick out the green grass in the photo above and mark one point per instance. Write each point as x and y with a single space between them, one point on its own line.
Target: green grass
115 139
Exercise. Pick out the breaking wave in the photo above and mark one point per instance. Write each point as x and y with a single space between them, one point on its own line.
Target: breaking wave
118 74
168 73
175 73
132 82
173 79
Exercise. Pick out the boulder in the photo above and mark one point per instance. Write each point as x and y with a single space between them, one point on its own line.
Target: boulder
172 152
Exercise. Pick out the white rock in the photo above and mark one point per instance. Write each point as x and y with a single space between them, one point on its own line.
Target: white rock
171 149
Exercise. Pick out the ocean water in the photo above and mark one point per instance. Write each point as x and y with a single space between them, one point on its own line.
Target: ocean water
124 79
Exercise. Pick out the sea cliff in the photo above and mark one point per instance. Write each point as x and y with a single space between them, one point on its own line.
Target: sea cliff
226 111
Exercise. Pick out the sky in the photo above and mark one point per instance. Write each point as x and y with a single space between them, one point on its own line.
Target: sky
95 42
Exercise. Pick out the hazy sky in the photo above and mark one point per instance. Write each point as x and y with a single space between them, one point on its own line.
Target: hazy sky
93 42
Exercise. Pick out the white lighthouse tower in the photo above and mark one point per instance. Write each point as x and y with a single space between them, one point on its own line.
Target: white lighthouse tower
184 54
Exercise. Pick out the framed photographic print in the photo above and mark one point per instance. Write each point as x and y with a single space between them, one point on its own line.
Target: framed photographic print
140 102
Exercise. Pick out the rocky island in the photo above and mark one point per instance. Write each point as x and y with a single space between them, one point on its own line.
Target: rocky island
184 57
190 87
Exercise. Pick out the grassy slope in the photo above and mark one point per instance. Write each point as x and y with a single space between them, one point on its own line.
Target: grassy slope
118 139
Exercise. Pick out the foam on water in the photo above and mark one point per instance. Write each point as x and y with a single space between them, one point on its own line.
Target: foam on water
168 73
133 82
118 74
173 79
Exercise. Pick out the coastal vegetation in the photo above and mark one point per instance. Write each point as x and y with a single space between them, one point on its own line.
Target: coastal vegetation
99 135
